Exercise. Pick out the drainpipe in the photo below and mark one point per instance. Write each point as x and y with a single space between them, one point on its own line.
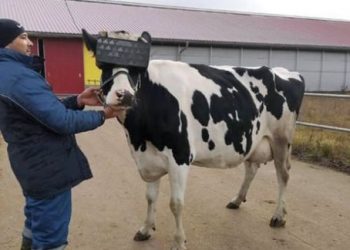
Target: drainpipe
180 50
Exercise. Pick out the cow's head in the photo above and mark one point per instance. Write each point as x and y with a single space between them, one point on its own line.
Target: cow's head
122 57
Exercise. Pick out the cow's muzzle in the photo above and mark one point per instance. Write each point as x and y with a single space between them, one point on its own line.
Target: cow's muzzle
124 98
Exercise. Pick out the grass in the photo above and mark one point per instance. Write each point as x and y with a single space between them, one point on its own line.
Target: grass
325 147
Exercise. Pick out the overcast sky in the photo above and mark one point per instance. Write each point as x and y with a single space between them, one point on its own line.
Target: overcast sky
334 9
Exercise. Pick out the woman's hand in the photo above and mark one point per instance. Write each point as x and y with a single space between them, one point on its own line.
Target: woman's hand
88 97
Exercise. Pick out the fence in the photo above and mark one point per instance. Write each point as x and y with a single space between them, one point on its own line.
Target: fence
315 125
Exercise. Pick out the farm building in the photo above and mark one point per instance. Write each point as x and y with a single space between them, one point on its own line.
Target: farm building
318 49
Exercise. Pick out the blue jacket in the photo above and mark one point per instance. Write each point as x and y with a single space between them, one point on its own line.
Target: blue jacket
39 129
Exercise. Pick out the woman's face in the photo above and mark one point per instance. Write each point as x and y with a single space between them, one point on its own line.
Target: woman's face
22 44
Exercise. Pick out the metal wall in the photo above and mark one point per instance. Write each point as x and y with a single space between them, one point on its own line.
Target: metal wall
322 70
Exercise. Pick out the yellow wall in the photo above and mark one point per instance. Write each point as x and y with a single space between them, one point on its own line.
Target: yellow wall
92 74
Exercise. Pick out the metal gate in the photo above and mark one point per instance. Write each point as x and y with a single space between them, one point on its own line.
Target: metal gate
315 125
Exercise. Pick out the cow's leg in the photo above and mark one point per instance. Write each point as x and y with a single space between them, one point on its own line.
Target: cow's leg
281 152
250 171
151 196
178 178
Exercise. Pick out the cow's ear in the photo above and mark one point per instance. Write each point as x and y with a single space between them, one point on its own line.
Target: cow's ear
146 37
90 41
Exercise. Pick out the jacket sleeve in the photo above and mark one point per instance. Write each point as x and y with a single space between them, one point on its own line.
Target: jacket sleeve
71 102
34 96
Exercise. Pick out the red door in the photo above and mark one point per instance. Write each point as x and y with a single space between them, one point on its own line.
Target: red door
64 65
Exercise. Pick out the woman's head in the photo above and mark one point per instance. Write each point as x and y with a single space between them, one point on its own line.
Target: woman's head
13 36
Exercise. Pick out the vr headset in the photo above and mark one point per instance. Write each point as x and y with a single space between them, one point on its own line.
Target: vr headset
124 53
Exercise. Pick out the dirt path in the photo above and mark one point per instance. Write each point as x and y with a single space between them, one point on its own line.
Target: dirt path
109 209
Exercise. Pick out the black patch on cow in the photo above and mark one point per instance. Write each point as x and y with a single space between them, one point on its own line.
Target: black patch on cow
292 90
258 95
155 118
223 108
257 127
211 145
240 70
273 100
200 108
254 89
261 109
143 147
205 135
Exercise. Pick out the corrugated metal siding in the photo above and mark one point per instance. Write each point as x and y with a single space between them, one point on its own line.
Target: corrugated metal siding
322 70
164 52
283 58
196 55
347 73
255 57
210 26
333 75
64 65
309 65
222 56
51 16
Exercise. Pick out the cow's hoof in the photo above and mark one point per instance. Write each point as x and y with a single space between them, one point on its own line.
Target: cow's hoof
141 237
232 205
276 222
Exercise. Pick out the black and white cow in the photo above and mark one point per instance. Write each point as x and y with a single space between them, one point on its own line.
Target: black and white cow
180 114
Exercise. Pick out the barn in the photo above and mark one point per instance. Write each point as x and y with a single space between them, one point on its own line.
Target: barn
318 49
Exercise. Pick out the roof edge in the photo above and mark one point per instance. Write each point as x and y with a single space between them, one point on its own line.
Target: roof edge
245 13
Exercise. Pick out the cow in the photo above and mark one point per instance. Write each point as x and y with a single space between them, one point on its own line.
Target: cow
177 114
